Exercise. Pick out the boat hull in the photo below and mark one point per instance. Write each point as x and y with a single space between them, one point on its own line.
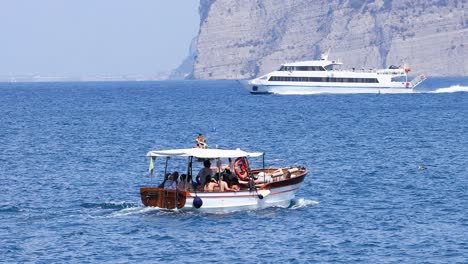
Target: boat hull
311 89
277 194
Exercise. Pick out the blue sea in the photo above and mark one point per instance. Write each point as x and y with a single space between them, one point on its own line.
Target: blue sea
387 182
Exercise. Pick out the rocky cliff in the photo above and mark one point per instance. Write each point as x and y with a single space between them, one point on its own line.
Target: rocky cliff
241 39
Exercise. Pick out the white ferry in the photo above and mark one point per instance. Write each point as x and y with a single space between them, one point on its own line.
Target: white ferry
325 76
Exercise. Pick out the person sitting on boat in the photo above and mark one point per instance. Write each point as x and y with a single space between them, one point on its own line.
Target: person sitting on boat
201 142
234 185
206 171
228 176
171 182
198 186
166 177
263 177
224 186
210 184
184 184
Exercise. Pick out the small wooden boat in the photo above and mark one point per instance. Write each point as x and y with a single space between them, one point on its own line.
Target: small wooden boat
258 188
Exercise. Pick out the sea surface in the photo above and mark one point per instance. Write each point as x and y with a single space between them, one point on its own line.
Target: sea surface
388 179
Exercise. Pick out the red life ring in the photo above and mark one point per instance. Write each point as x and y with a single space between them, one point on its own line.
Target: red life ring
240 168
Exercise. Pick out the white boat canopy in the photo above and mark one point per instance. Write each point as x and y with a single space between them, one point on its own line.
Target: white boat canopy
203 153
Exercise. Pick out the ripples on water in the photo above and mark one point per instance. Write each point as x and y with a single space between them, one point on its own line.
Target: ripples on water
387 182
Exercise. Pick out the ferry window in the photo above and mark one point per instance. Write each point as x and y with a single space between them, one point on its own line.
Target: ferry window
398 79
329 67
282 68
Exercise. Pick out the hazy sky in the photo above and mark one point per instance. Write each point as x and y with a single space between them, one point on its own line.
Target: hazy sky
88 37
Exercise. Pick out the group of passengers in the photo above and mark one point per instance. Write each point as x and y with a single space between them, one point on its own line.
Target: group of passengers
171 181
206 180
224 181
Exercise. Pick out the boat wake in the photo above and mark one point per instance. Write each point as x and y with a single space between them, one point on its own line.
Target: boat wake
109 205
300 203
124 209
135 211
451 89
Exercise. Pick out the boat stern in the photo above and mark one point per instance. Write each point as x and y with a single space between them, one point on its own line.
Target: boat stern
417 81
163 198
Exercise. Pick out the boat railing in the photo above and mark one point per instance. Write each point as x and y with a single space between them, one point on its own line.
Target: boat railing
378 71
418 80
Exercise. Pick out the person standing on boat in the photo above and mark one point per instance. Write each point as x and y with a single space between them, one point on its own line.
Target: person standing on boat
201 142
206 171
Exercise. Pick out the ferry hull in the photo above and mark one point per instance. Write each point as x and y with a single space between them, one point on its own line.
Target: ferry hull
308 89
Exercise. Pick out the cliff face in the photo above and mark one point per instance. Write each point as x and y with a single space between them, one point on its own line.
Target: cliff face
242 39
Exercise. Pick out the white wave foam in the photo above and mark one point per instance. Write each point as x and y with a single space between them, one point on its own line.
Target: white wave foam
299 203
451 89
133 211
